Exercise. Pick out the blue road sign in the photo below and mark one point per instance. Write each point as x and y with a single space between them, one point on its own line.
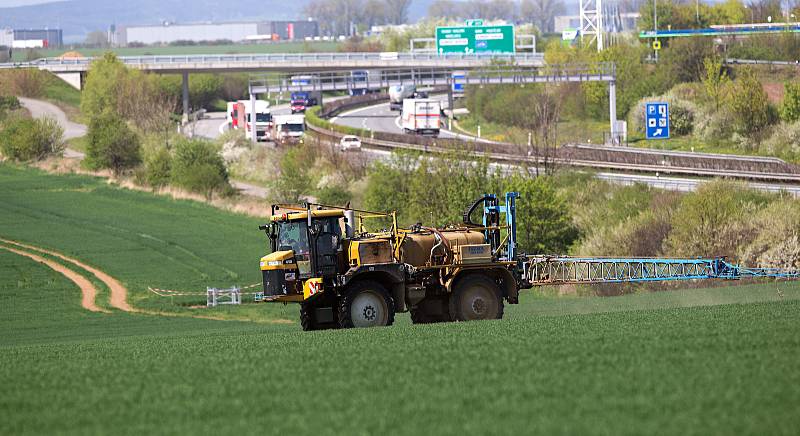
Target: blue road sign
458 82
657 119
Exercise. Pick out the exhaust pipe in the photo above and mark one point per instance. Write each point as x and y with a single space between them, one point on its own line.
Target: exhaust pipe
350 222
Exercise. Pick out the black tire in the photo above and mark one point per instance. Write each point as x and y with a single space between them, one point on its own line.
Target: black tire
307 317
425 314
366 304
309 321
476 297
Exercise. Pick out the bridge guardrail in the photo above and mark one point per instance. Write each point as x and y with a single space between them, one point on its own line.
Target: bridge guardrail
600 158
298 57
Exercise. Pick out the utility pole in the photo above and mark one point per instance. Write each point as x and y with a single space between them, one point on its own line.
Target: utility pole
655 25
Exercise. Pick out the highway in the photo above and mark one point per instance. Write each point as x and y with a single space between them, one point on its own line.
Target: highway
378 117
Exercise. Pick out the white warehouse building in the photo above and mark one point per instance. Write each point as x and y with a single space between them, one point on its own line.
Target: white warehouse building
170 32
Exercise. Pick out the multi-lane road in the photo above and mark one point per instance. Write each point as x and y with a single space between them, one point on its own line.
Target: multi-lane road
378 117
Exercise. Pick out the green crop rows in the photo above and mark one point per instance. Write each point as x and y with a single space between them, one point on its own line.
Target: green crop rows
710 361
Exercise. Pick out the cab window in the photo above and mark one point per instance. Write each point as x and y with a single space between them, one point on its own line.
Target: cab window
293 234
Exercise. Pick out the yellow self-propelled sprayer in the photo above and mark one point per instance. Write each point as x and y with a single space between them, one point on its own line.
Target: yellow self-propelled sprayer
344 276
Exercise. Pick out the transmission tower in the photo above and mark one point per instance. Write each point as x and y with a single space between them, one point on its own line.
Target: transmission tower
592 22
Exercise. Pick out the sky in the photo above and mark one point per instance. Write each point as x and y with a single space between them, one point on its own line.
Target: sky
12 3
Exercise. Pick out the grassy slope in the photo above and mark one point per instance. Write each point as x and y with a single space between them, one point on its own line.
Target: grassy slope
705 370
289 47
153 241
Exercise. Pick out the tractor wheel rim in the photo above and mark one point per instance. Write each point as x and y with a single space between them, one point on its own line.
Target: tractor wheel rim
368 310
477 303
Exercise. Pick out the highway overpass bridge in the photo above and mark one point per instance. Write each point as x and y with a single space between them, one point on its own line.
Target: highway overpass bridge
289 62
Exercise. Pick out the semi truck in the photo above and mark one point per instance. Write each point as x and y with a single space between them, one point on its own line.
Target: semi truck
302 100
344 273
398 93
421 116
288 129
241 116
365 82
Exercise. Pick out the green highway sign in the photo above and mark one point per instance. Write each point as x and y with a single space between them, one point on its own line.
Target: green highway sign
473 22
475 39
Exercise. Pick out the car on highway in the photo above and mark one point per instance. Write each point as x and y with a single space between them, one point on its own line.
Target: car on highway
350 142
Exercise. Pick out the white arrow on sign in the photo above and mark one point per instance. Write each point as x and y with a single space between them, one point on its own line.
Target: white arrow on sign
658 132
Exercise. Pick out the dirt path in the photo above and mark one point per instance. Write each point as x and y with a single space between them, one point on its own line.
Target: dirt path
88 290
119 293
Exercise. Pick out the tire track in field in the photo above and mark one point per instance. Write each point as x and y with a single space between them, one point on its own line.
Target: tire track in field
88 291
119 293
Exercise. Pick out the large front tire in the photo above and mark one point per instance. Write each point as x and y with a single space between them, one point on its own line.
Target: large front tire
366 304
476 297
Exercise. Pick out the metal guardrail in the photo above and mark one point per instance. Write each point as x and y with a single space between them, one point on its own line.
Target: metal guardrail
487 75
515 159
761 62
386 57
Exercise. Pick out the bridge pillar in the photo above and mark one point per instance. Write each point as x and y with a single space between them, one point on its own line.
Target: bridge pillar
612 110
73 79
253 116
185 97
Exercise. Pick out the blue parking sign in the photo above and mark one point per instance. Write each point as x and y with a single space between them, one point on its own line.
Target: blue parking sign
657 119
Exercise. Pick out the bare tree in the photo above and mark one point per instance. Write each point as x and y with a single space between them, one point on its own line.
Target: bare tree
450 9
397 11
542 13
542 142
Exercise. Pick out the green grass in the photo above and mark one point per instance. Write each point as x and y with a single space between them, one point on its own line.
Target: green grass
57 90
555 366
287 47
569 131
155 241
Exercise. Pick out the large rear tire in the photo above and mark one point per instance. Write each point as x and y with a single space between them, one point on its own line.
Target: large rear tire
366 304
476 297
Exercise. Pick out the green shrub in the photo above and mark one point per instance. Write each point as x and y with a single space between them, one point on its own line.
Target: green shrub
198 166
682 114
25 139
333 195
158 168
784 142
294 181
749 105
111 144
790 107
9 103
714 220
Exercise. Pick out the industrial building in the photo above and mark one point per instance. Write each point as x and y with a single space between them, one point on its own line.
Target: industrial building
31 38
167 33
25 38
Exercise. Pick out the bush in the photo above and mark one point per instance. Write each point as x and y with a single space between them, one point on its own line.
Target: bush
784 142
28 140
682 114
197 166
790 107
749 105
778 242
545 225
158 168
714 220
295 179
333 195
111 144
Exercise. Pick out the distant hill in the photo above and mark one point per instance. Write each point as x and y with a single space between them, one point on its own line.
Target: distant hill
79 17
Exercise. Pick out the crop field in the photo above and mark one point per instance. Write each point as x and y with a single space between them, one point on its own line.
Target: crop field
708 361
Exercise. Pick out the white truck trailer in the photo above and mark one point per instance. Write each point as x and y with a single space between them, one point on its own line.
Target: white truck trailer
421 116
398 93
288 128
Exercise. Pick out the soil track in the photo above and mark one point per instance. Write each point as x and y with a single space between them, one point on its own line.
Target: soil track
119 293
88 290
